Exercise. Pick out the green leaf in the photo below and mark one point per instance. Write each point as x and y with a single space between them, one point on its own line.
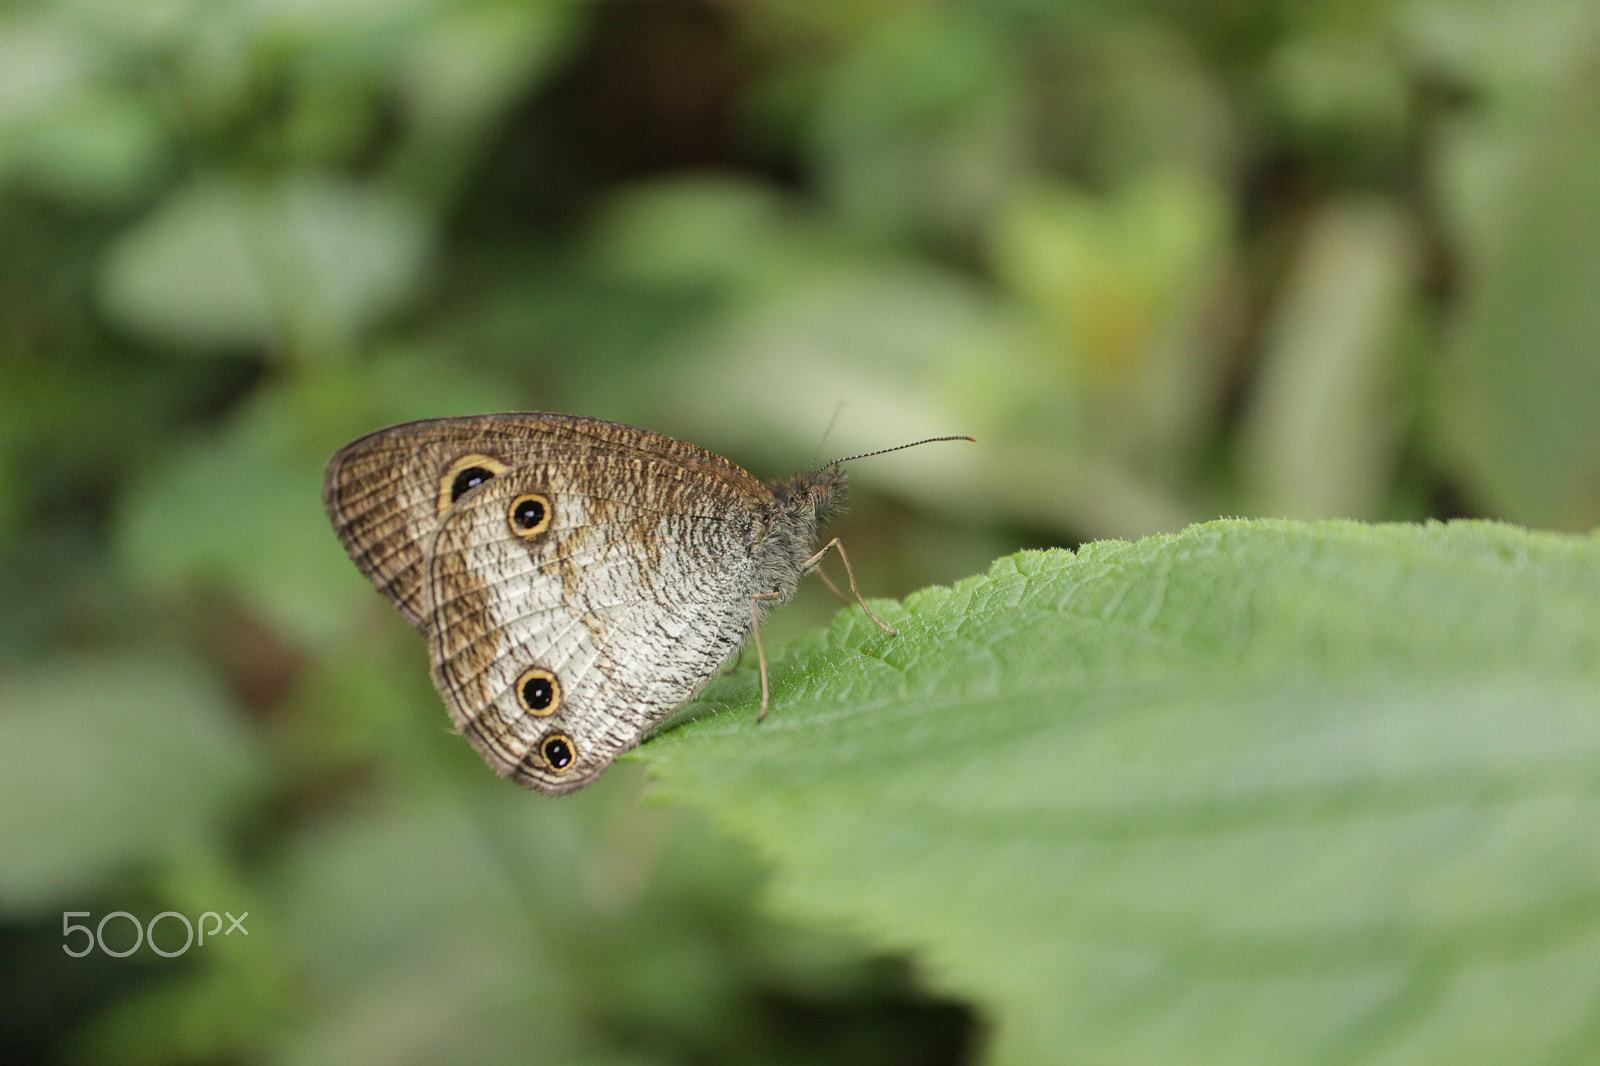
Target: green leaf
1259 792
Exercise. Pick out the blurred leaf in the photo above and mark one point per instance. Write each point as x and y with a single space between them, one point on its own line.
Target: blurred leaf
190 1017
1343 97
1524 377
1109 276
231 989
808 316
61 130
916 129
911 351
241 509
1119 292
107 762
594 925
1321 435
99 149
307 262
1260 792
42 64
467 65
328 19
405 974
713 232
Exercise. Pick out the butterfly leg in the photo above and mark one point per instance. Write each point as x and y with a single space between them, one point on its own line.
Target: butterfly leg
851 574
828 581
761 654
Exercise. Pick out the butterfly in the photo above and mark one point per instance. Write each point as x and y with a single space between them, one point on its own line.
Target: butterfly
576 580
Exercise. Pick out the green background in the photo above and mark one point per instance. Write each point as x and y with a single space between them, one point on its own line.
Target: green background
1166 261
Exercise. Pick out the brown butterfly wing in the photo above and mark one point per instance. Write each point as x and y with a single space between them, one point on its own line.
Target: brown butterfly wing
555 645
556 649
388 492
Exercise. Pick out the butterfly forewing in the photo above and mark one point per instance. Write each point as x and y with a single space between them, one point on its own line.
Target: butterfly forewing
387 493
381 495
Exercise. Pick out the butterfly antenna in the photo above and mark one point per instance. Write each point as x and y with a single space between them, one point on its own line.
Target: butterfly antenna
838 409
899 448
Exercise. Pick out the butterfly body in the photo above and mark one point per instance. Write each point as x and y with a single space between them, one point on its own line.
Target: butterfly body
576 580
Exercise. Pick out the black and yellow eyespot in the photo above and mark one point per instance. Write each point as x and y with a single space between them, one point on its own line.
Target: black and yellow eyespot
538 691
466 474
558 751
529 514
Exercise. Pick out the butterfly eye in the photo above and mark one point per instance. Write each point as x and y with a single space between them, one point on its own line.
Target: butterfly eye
466 474
538 691
557 751
530 515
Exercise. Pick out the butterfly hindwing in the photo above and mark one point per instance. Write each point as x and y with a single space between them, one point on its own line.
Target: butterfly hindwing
573 608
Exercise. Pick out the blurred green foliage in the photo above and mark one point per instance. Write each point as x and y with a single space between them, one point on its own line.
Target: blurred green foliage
1165 259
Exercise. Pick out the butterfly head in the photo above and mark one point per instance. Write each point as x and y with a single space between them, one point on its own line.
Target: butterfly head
818 493
824 489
